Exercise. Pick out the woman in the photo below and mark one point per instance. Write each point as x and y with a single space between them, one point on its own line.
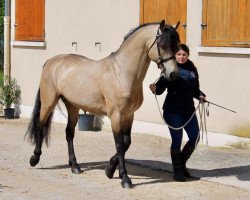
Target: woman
178 109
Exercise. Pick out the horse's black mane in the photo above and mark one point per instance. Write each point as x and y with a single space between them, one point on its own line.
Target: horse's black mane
137 28
168 40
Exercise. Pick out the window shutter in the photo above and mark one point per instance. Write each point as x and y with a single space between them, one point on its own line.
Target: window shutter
240 20
29 22
225 23
171 11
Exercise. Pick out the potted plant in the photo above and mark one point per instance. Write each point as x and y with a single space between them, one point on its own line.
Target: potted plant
17 101
10 93
1 86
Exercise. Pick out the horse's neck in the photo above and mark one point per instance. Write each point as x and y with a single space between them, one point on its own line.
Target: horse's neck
132 60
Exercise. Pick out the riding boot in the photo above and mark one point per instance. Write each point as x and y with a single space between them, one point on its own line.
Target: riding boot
185 155
177 165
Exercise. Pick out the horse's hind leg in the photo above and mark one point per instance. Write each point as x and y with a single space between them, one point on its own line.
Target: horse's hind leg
114 161
41 122
34 160
70 133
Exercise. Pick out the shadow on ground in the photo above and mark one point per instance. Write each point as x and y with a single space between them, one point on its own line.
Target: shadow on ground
133 168
156 170
238 171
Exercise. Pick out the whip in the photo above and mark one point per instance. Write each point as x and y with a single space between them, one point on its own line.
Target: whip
209 102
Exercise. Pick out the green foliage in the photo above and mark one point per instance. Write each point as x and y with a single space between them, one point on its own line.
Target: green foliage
243 130
10 93
240 145
1 79
1 34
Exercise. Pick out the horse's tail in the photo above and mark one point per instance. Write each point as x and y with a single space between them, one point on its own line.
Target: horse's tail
38 131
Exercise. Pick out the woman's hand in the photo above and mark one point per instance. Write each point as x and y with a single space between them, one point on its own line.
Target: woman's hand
152 87
202 99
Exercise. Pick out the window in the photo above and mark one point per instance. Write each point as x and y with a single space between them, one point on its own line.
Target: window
226 23
171 11
29 20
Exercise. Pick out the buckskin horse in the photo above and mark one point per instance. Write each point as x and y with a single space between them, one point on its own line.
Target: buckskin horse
111 86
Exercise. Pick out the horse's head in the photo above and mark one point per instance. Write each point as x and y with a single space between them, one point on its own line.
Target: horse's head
162 50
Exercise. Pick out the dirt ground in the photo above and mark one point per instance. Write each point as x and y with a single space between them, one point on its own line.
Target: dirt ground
52 178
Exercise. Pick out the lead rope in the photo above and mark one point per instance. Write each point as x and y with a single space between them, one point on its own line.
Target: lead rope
203 127
203 112
175 128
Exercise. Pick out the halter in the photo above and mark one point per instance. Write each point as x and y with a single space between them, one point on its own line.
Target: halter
161 60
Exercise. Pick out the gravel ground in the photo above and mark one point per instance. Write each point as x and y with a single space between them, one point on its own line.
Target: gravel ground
52 178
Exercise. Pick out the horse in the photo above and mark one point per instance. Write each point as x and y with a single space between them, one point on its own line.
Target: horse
111 86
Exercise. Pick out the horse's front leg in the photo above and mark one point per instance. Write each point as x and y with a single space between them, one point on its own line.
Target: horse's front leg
116 123
127 125
126 181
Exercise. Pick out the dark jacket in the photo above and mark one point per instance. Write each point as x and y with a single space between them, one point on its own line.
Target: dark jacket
181 91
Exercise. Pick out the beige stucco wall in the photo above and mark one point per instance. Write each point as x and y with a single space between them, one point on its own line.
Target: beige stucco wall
223 77
82 21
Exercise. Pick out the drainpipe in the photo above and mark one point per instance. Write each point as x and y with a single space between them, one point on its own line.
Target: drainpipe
7 42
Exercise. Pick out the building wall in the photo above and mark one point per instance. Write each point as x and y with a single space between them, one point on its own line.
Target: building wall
223 77
82 21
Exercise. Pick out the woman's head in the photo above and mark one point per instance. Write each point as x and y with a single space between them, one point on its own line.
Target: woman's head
182 54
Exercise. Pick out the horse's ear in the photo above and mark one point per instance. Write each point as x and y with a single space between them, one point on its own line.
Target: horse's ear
177 25
162 25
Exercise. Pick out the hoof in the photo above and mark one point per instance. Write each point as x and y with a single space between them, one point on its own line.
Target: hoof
127 184
179 179
109 172
76 170
34 160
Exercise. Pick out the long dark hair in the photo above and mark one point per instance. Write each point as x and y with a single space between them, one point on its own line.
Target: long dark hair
36 129
189 62
183 47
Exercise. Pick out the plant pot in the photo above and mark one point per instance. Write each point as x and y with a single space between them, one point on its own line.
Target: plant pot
98 123
9 113
17 110
85 122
